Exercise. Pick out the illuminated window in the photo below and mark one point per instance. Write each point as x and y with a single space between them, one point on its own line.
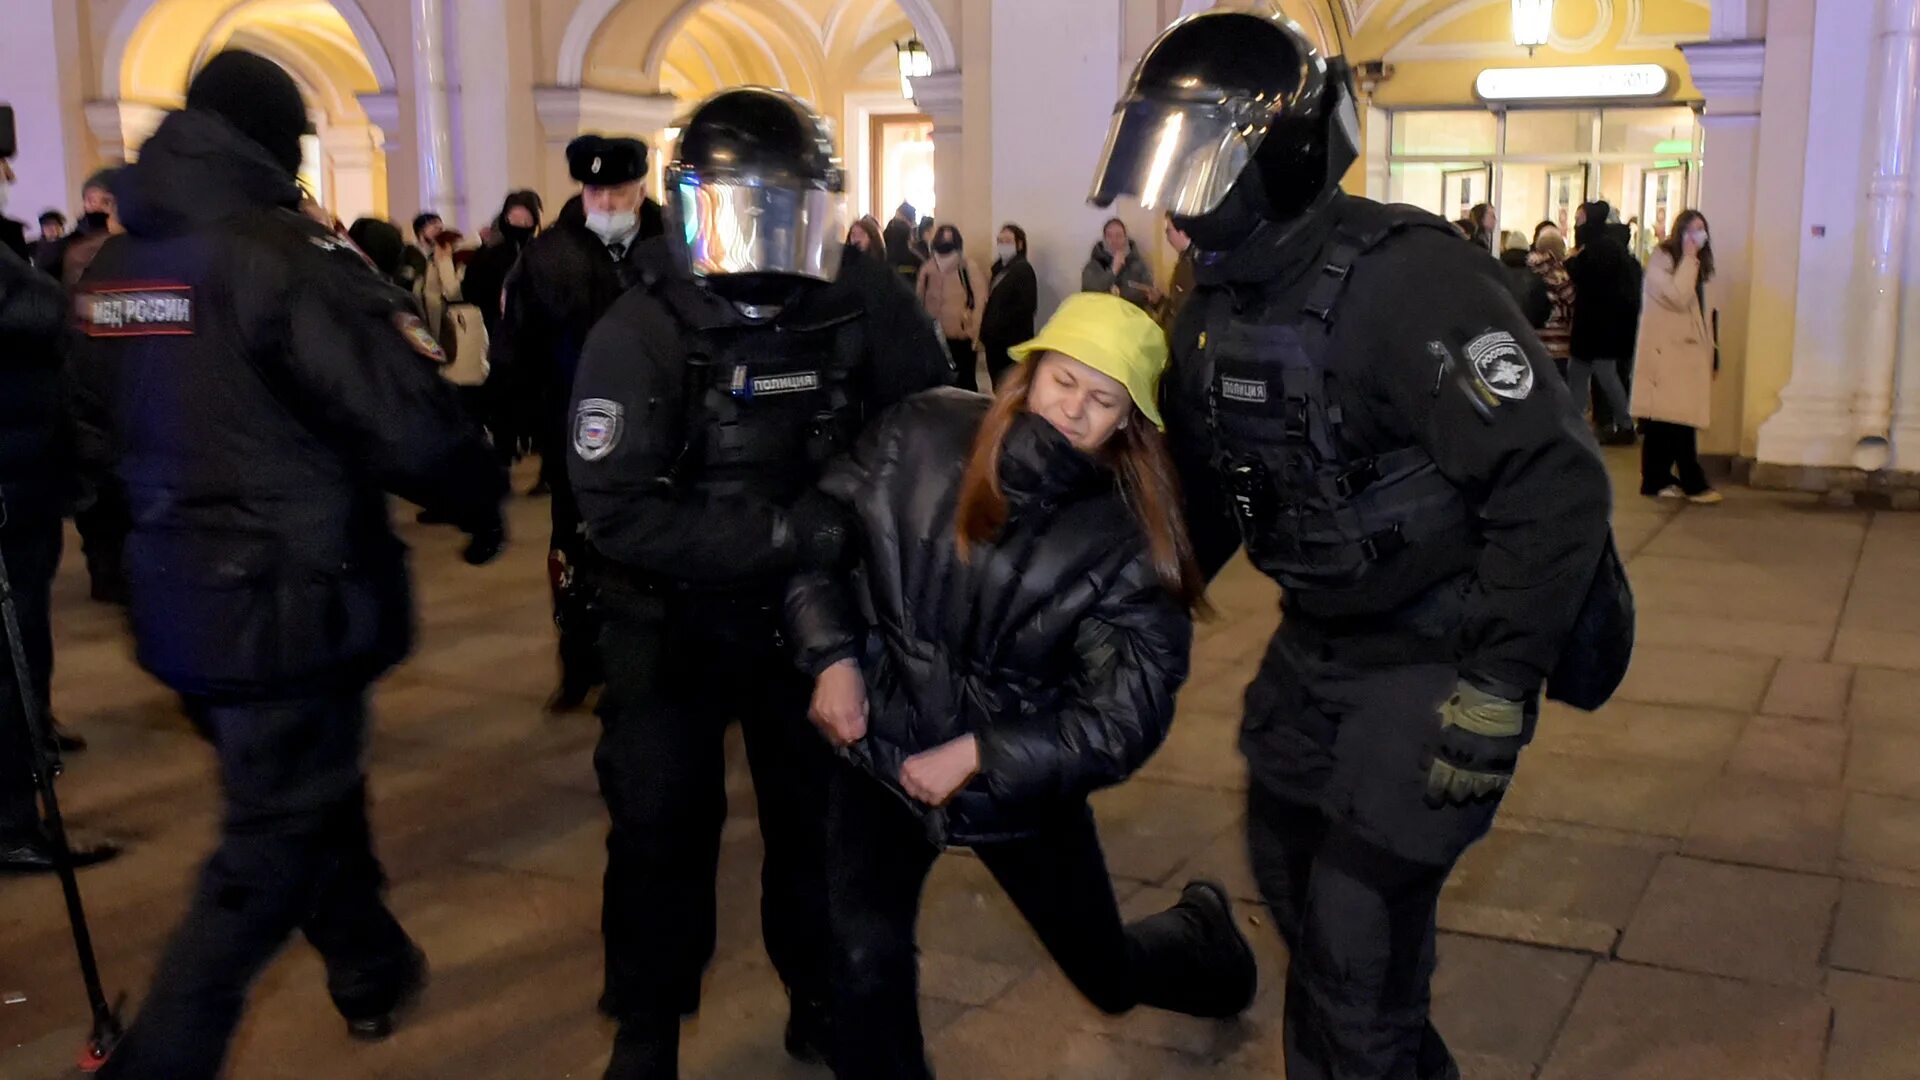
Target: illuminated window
902 166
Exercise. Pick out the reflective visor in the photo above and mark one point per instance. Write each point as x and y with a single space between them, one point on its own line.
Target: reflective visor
727 226
1180 157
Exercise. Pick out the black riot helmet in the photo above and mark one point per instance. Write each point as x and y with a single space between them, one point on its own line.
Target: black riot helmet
1230 103
754 190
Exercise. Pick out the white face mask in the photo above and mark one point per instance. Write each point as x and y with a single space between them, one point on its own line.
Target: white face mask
6 192
1698 236
1006 252
611 227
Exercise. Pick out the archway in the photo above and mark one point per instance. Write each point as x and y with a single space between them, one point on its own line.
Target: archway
328 46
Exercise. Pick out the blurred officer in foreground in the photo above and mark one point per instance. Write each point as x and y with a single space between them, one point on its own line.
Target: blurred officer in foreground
707 401
566 280
261 389
1356 391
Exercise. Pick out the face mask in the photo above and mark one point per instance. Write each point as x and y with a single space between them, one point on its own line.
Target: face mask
96 219
517 234
611 227
1698 236
1006 252
945 247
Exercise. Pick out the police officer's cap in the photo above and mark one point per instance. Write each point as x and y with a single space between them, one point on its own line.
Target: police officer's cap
599 161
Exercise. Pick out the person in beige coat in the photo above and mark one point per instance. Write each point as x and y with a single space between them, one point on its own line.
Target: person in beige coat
1675 364
955 292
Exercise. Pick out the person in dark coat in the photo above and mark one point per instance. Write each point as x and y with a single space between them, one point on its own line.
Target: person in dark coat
1606 319
13 233
261 391
1013 301
1116 266
1029 586
565 280
36 484
899 236
1355 398
380 241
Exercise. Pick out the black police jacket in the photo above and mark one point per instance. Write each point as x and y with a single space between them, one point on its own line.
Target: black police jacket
561 285
1510 577
34 467
1606 296
1056 645
637 415
258 388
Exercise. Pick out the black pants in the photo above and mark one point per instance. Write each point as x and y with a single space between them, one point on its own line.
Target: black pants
30 542
966 373
998 361
879 860
1671 456
103 526
1347 853
295 854
678 671
576 603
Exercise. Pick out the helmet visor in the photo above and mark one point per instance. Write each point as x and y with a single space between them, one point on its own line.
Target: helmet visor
1180 157
720 227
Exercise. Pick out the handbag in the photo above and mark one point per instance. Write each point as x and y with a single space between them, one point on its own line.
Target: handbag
463 337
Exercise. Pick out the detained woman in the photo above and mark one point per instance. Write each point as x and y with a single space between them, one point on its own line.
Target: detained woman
1010 640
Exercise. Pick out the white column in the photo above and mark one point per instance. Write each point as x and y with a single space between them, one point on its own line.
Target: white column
1815 426
939 96
31 79
1889 206
481 58
430 109
1729 74
119 127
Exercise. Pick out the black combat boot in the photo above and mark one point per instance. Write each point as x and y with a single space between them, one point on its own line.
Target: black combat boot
1192 957
646 1051
379 1018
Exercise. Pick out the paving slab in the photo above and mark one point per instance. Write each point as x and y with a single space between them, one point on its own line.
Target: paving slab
1884 698
1768 822
1758 636
1809 690
1738 921
1145 842
1640 1023
1877 930
1668 675
1791 594
1502 1000
1877 648
1874 1034
1632 796
1881 830
1884 761
1809 752
1630 729
1547 890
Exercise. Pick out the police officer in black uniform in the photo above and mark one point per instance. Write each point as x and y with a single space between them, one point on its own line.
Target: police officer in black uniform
565 280
262 390
706 403
1356 398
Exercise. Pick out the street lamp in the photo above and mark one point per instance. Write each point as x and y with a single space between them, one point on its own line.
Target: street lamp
915 63
1532 23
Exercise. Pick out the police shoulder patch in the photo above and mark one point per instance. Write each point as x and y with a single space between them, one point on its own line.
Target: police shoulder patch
596 427
1501 365
417 336
136 309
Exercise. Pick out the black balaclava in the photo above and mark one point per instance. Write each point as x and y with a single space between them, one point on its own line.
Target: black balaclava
256 96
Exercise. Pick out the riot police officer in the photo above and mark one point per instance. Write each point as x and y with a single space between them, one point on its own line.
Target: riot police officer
1356 399
261 390
565 280
707 400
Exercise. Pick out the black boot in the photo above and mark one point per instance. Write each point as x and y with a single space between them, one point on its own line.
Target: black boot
646 1051
1192 957
809 1031
381 1020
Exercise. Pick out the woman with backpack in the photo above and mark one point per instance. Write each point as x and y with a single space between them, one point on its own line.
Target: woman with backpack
954 291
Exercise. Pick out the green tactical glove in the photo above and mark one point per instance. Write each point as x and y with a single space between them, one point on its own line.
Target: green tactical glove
1479 744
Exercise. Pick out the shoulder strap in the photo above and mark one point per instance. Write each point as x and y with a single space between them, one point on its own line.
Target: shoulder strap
967 284
1353 240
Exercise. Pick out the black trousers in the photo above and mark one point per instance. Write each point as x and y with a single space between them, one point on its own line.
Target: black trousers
295 854
1671 456
576 602
103 527
879 858
30 543
998 360
1348 855
965 368
679 670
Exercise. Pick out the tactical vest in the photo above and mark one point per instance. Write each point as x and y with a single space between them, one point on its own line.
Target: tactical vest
766 402
1313 515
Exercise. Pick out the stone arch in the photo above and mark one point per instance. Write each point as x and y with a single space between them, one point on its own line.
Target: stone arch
127 25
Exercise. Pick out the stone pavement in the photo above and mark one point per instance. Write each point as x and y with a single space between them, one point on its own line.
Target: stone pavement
1717 876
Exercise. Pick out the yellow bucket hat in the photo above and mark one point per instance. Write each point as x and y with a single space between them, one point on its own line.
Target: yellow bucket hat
1111 336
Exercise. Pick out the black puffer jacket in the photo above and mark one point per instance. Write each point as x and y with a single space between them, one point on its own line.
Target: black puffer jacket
1606 290
258 389
1056 646
33 319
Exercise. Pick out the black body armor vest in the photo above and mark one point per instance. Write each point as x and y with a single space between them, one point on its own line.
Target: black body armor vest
1313 514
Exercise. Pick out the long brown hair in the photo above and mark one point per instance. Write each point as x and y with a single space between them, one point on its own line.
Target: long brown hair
877 245
1137 454
1675 245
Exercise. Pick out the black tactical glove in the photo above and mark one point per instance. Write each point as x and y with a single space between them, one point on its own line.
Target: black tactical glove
1479 743
817 528
485 540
